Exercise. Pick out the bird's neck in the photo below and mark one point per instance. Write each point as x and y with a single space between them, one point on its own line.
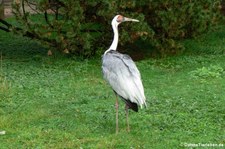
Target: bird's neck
115 38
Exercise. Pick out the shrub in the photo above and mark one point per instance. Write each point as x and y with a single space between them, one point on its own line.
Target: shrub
173 20
83 27
80 27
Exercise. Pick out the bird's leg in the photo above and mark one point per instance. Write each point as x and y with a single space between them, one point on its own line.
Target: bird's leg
127 114
117 113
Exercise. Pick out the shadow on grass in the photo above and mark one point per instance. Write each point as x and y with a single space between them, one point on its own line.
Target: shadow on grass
18 47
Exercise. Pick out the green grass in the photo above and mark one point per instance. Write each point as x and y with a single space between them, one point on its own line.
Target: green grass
61 102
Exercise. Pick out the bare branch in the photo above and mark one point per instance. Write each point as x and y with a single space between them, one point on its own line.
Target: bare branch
47 20
32 6
4 29
57 13
5 23
18 30
23 8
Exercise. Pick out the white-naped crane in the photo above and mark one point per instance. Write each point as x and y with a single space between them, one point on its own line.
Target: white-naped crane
120 71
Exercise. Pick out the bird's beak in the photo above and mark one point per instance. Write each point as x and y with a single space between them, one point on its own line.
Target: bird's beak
129 19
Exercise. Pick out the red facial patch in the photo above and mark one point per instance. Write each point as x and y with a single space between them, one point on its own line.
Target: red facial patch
119 18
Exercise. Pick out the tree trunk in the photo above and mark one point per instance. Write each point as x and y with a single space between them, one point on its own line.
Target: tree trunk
223 7
1 9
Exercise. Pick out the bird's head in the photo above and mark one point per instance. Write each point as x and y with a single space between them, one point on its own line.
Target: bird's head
119 19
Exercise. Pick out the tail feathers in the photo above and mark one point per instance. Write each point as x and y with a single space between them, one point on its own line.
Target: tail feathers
132 105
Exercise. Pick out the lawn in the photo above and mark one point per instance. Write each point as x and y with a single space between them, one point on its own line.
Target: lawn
63 102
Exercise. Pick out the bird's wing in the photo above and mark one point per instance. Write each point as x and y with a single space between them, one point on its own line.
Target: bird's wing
122 74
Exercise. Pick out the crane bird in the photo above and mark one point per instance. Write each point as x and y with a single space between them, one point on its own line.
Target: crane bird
120 71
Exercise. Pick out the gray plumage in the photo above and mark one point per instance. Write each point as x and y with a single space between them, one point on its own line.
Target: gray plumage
122 74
